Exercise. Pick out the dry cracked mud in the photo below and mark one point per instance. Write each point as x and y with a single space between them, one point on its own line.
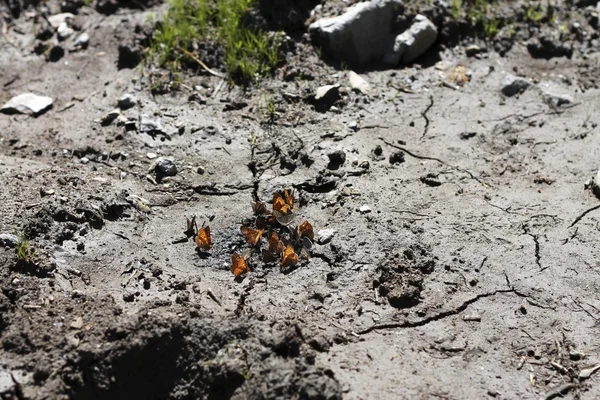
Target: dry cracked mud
463 261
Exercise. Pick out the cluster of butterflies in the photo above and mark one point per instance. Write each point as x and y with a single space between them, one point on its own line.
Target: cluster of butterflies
286 244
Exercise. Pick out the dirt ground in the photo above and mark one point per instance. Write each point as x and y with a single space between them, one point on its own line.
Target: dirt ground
463 263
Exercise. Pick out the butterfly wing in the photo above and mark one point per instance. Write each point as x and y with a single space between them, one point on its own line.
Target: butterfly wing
305 229
289 257
252 235
238 265
259 208
280 206
289 198
203 239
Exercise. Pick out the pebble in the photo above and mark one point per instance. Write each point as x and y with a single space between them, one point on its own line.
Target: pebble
327 91
512 85
472 50
149 125
58 19
596 185
364 209
557 100
337 157
358 83
82 40
165 167
77 323
151 156
413 42
126 101
8 239
324 236
64 31
84 160
108 118
27 103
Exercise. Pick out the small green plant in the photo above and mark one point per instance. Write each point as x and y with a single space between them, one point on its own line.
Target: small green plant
23 249
534 13
456 8
249 53
490 27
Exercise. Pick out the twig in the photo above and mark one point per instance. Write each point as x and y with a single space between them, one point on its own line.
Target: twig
560 391
210 71
212 296
583 214
5 33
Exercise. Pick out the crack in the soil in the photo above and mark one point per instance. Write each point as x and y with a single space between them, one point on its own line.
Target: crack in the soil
424 115
436 317
536 241
435 159
583 214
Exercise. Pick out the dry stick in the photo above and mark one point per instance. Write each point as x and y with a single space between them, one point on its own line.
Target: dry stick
210 71
560 391
583 214
436 317
434 159
5 33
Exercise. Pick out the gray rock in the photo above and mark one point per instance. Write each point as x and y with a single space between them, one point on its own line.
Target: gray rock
151 126
108 118
8 239
27 103
364 209
512 85
64 31
58 19
337 158
358 83
127 101
165 167
596 185
360 35
557 100
327 91
325 235
82 40
412 43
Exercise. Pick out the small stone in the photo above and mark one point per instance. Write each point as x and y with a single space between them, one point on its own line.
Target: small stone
201 170
129 297
8 239
151 126
27 103
323 91
412 43
58 19
557 100
55 53
108 118
319 343
324 236
472 50
151 156
126 101
337 157
358 83
77 323
397 157
82 40
84 160
64 31
364 164
596 185
364 209
353 125
46 192
512 85
165 167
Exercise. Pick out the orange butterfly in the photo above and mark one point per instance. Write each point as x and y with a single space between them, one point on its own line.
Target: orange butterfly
283 208
289 257
305 229
280 206
238 265
275 248
252 235
203 238
260 208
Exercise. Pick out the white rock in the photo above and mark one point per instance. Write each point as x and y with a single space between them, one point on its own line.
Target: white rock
325 91
512 85
364 209
358 83
360 35
412 43
151 156
557 100
126 101
64 31
58 19
82 40
27 103
8 239
325 235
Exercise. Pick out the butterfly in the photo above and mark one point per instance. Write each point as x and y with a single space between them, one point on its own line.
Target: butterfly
203 238
275 248
283 207
260 208
264 221
305 229
238 265
252 235
288 257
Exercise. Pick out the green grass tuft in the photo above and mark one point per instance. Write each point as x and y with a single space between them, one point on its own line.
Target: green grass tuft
23 249
249 53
